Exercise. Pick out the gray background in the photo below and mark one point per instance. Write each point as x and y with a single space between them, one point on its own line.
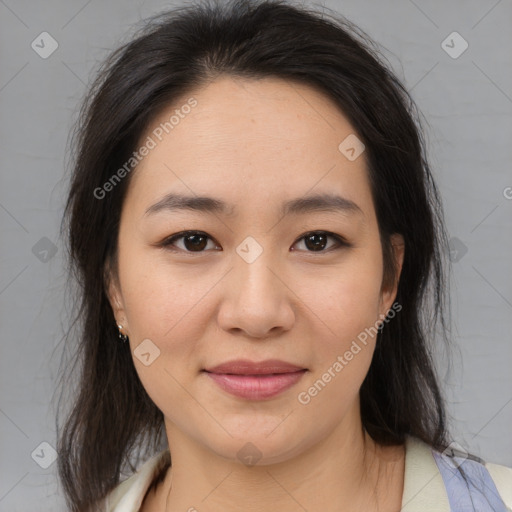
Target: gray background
466 100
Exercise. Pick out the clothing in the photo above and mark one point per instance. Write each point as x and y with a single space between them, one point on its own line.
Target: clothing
432 483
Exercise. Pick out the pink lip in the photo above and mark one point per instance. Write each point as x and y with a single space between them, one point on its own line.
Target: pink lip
255 380
246 367
256 387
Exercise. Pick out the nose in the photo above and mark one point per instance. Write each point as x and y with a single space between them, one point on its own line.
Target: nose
257 299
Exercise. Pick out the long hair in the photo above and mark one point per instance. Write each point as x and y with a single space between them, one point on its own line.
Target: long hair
112 423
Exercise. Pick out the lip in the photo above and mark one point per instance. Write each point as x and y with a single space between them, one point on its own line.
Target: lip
256 387
255 380
246 367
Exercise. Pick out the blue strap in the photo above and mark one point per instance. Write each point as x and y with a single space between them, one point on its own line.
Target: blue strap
475 493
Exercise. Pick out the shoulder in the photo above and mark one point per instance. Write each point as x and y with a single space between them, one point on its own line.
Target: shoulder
453 480
129 494
502 477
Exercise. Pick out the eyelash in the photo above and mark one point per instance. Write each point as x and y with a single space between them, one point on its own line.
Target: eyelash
167 243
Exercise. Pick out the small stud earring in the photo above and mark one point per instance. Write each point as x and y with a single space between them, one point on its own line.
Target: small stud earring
123 337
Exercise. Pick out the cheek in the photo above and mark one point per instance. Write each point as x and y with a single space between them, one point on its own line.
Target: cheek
347 307
157 298
343 355
167 308
349 298
172 308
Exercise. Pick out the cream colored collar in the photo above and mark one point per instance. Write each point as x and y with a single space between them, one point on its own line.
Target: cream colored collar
424 488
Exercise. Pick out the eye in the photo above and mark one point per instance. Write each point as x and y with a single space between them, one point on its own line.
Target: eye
194 241
316 241
197 241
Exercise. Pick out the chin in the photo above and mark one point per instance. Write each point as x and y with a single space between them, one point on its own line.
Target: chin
267 443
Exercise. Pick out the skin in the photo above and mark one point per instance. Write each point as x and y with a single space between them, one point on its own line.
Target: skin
255 144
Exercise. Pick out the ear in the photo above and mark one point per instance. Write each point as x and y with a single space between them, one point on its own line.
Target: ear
388 293
115 297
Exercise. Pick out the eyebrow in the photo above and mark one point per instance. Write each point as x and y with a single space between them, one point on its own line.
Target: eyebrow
301 205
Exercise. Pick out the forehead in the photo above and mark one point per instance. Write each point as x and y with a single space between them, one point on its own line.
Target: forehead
239 113
251 139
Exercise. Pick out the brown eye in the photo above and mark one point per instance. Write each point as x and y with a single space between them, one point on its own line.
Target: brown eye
197 241
193 241
317 241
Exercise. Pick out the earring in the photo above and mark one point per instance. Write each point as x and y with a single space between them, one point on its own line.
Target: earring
124 337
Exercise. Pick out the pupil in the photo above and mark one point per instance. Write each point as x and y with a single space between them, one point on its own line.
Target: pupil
195 242
318 245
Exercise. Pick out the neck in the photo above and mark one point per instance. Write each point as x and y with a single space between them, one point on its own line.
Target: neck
345 471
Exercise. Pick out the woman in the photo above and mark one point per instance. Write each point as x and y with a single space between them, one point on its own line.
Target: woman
259 243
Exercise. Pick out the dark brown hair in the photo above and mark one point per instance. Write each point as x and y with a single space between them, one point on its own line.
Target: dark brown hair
112 423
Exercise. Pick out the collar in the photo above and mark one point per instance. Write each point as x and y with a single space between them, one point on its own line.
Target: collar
424 487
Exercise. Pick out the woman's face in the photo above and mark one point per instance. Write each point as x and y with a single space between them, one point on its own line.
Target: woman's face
253 287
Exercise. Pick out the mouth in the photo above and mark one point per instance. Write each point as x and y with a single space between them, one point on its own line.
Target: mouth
256 387
246 367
